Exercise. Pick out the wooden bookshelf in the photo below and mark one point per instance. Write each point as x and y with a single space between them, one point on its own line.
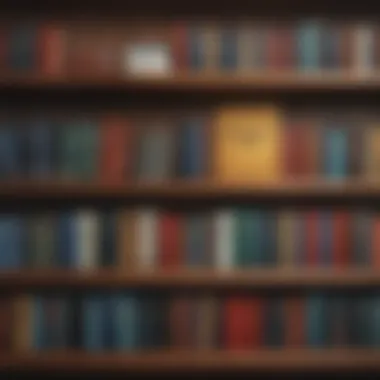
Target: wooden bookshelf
197 278
276 361
188 190
210 83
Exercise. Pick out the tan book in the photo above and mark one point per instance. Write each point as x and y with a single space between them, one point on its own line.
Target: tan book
372 152
126 236
22 324
210 33
247 144
246 36
207 322
286 238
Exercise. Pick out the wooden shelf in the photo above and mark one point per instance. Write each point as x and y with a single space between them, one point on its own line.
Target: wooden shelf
221 82
275 361
187 189
196 278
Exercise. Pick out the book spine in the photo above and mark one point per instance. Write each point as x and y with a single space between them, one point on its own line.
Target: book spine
326 236
309 46
9 158
316 321
67 237
196 48
361 235
224 234
364 48
229 48
108 238
170 240
336 153
313 250
341 239
294 310
286 238
93 324
195 240
22 44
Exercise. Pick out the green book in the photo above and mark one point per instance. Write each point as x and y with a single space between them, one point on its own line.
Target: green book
41 241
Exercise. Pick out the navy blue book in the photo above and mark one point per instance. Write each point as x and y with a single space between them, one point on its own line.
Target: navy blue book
67 240
9 154
40 150
316 321
229 48
336 160
93 325
12 239
196 48
23 47
326 237
192 148
108 229
274 322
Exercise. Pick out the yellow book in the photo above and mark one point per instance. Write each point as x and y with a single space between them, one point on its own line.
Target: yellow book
372 152
247 144
286 238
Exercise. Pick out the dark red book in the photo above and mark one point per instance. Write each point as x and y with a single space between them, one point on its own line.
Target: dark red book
52 50
295 322
116 150
170 240
181 322
341 239
280 47
312 242
295 154
6 318
180 45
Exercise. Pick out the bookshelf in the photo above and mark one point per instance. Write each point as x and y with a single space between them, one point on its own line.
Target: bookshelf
268 83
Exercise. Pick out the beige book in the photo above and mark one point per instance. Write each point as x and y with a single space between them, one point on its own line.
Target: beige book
211 46
207 322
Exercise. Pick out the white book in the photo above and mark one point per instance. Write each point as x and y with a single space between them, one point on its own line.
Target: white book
224 239
87 249
146 238
364 49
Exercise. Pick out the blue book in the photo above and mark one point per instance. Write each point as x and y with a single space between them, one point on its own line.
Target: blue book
336 159
308 36
67 244
11 242
9 153
193 148
23 47
330 47
39 341
125 322
196 48
40 150
326 237
362 236
229 48
93 323
316 321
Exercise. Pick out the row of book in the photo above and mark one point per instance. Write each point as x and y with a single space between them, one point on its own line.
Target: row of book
236 143
143 321
305 45
222 239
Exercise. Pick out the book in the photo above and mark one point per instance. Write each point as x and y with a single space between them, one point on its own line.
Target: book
361 237
308 42
224 239
294 321
88 135
286 238
196 48
12 242
182 321
22 47
313 243
364 48
228 48
108 238
331 35
274 322
10 165
247 144
127 259
6 318
66 240
341 248
327 235
371 152
93 323
207 322
22 324
316 321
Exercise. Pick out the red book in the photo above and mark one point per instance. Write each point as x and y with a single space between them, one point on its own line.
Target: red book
312 238
294 322
180 45
52 47
238 332
376 242
116 145
171 240
341 239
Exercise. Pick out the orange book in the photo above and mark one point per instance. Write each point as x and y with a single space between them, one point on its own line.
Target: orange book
116 145
247 144
295 322
52 50
376 242
341 239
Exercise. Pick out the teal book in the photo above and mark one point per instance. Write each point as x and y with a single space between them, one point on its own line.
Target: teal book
308 37
125 323
248 243
336 160
93 323
316 321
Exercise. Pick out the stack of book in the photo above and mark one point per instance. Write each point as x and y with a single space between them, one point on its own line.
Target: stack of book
222 239
130 321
